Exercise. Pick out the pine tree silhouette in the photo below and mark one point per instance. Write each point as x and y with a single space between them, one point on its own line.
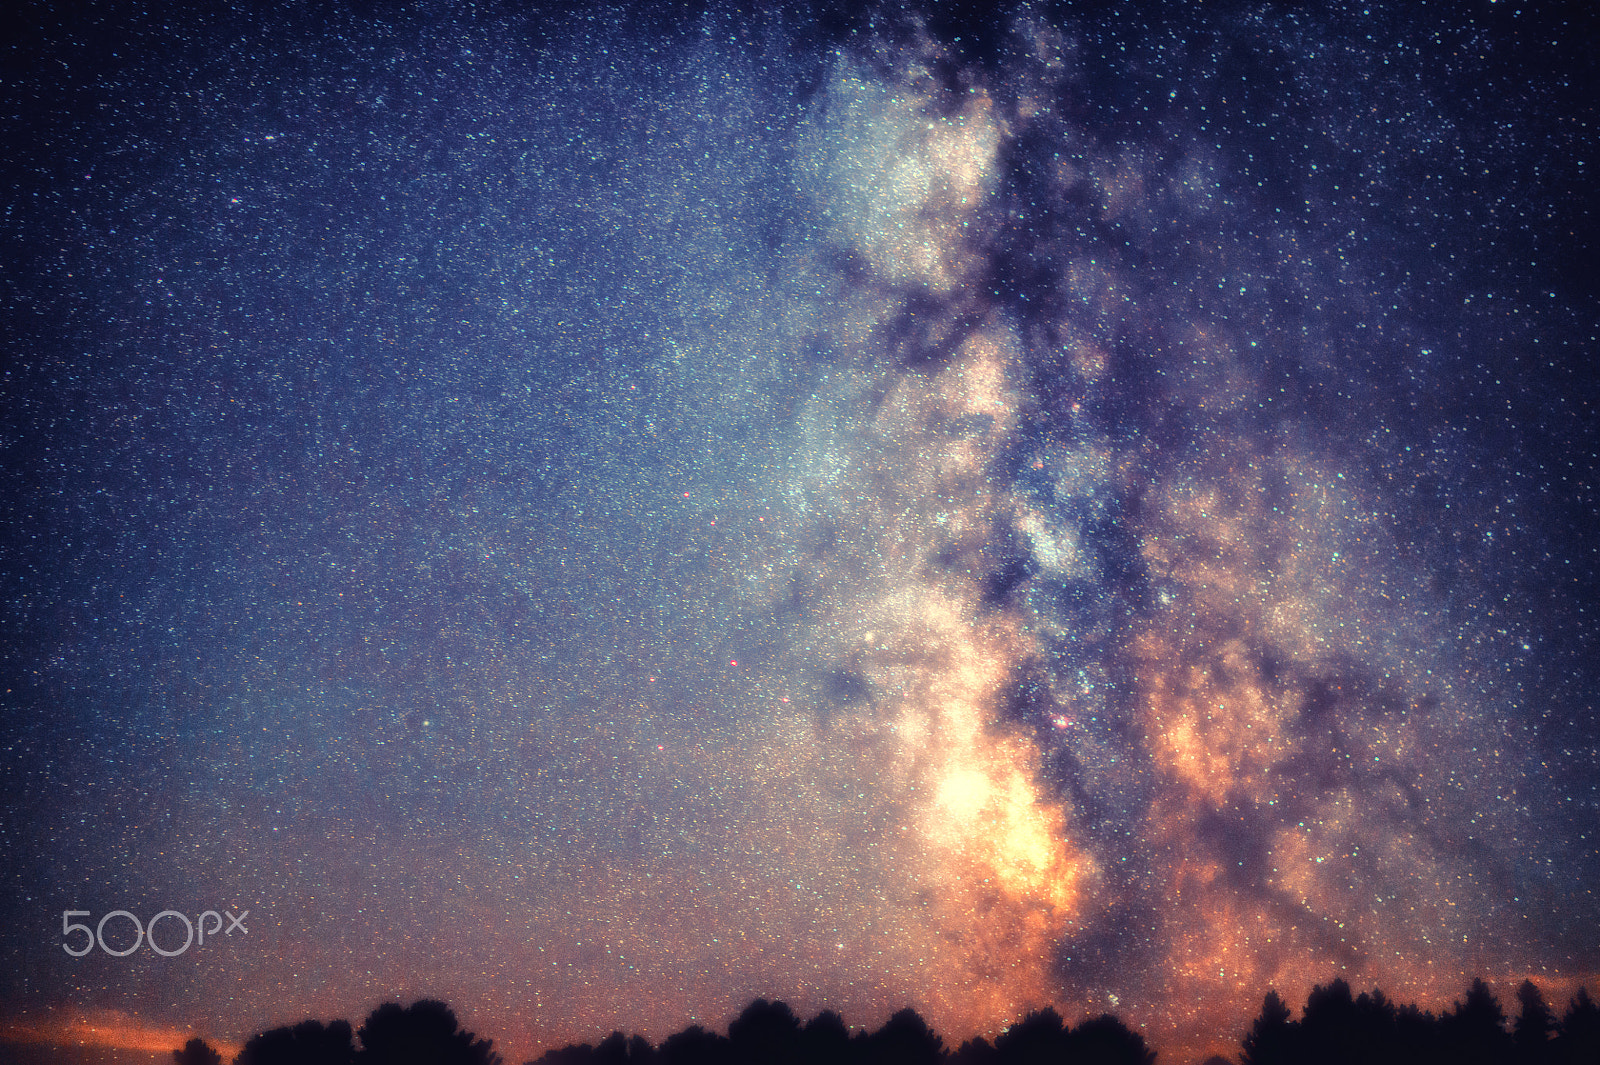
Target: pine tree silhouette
1579 1042
1534 1026
1373 1036
1272 1037
1416 1036
1474 1032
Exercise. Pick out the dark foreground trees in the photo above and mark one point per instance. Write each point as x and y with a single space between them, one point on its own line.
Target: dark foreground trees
1043 1037
308 1043
423 1033
196 1052
1336 1027
768 1033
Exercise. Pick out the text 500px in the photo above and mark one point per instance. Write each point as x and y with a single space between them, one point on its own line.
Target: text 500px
143 932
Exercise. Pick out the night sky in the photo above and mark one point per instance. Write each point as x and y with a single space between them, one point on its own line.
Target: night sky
600 514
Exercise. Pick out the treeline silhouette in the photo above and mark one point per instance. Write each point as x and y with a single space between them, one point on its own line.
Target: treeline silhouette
1335 1028
423 1033
768 1033
1368 1029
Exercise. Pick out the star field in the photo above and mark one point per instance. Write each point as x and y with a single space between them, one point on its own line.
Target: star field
599 515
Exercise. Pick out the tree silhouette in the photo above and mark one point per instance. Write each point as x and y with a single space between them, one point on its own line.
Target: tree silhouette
1335 1028
695 1046
1375 1031
976 1051
1328 1025
1534 1026
905 1039
573 1054
1271 1039
1104 1040
617 1049
826 1041
766 1033
1416 1035
307 1043
614 1049
1474 1030
1579 1042
424 1033
196 1052
640 1052
1038 1039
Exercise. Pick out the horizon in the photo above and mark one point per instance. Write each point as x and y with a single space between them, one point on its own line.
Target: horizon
89 1050
111 1041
